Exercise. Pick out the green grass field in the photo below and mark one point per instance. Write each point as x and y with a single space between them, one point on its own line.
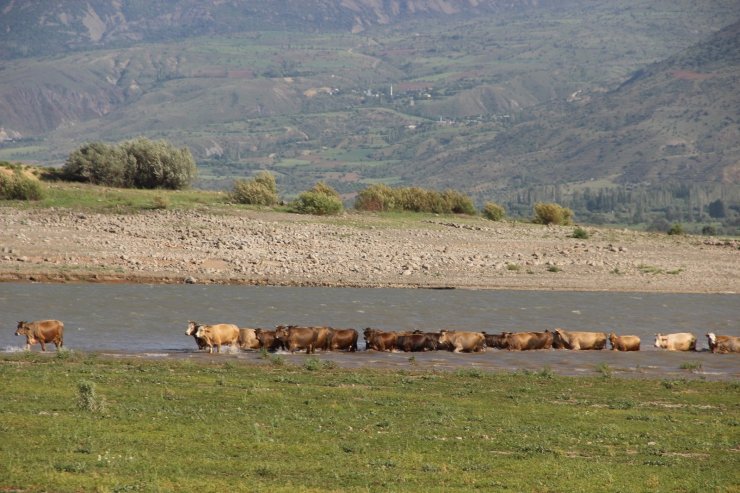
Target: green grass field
76 422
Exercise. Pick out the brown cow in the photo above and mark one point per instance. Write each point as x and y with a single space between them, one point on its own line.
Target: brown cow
217 335
416 341
497 341
191 330
679 341
380 340
267 340
723 344
294 337
462 341
42 331
624 343
343 340
524 341
579 340
322 338
248 339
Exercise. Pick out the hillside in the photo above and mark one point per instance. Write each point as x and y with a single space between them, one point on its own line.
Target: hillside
486 96
674 120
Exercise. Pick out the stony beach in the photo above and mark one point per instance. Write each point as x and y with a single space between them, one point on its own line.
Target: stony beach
354 250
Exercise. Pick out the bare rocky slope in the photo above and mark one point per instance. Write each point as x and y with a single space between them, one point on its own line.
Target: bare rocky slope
354 250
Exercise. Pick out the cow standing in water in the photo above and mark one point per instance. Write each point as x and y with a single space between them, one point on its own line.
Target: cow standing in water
42 331
679 341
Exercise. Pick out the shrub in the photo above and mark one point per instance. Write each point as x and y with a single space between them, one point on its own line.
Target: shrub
140 163
676 229
580 233
16 186
376 198
709 230
317 203
100 164
157 164
551 213
457 203
415 199
260 190
493 211
88 399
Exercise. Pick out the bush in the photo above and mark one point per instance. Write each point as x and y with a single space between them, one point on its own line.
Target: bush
261 190
384 198
321 200
16 186
551 213
376 198
709 230
676 229
580 233
493 211
157 164
139 163
88 399
100 164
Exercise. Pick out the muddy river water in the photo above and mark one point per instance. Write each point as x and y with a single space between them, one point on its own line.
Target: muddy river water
150 320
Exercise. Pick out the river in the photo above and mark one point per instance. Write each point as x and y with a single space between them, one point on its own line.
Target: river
150 320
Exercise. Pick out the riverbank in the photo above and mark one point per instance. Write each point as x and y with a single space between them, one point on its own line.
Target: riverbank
239 246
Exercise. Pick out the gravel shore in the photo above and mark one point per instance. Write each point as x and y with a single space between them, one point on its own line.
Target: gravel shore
359 250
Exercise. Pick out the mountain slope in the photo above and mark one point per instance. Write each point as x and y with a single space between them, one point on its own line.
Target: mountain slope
676 120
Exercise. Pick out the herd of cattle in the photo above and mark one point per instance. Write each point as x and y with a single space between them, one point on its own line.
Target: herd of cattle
296 338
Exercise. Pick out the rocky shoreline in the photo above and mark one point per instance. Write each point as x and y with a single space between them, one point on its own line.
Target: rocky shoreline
354 250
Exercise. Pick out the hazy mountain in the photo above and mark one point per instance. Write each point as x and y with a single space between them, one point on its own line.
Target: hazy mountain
481 95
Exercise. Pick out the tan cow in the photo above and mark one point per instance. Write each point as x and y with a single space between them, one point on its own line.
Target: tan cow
191 330
524 341
578 340
624 343
248 339
723 344
679 341
218 335
42 331
462 341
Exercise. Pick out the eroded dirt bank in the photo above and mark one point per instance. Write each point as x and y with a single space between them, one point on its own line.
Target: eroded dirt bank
360 250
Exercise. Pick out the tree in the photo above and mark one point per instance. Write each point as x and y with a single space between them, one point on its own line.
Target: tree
139 163
158 164
717 209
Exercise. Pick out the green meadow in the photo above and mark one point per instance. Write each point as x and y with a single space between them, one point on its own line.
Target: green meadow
81 422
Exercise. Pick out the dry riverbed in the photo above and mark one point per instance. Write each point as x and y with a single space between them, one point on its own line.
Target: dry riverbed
361 250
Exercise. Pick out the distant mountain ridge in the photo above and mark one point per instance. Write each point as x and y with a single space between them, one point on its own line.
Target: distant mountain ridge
29 27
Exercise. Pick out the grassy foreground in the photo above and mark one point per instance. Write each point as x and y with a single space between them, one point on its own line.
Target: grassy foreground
78 422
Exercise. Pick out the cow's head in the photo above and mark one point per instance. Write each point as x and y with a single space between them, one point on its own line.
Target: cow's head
281 332
23 329
192 328
712 338
444 338
612 337
661 340
201 331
